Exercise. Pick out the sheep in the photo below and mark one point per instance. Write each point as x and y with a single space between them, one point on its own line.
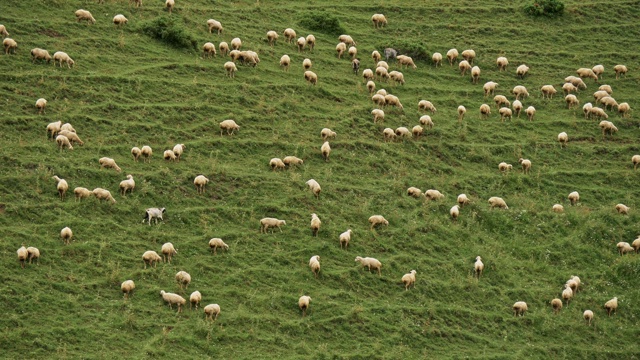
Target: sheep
588 316
620 70
502 63
208 50
608 101
501 100
326 150
598 70
504 167
475 74
168 251
485 111
378 20
33 254
3 31
567 293
135 152
231 69
409 279
128 184
306 64
496 202
531 112
314 187
437 59
520 90
432 194
414 192
200 182
425 105
212 311
556 304
63 142
10 45
367 74
478 267
127 287
377 220
389 134
276 163
311 77
390 53
194 299
266 223
635 159
607 126
563 138
517 107
40 54
151 257
303 304
153 214
587 73
103 194
23 255
292 160
344 238
383 64
519 308
574 197
586 109
178 150
109 163
452 56
172 298
81 193
137 3
464 66
347 40
236 44
548 91
289 34
598 95
183 279
215 243
569 88
370 263
61 57
489 88
402 132
392 100
315 224
461 111
397 77
301 42
314 265
72 136
622 209
522 70
405 60
469 55
623 109
214 25
327 133
454 212
40 105
624 247
224 48
62 186
353 52
526 165
169 155
573 285
285 61
382 73
636 245
272 36
577 281
463 200
84 15
371 86
146 152
575 81
230 126
119 20
598 113
611 306
505 112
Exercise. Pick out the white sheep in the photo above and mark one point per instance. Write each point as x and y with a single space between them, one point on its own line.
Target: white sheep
276 163
168 251
3 31
573 285
127 185
522 70
183 279
478 267
622 209
569 88
475 74
635 159
146 152
311 77
200 182
353 52
367 74
103 194
464 66
378 20
301 42
463 200
81 193
598 113
231 69
272 36
531 112
66 234
292 160
71 135
266 223
517 107
369 263
452 56
623 109
520 90
306 64
504 167
414 192
10 45
289 34
208 50
425 105
230 126
519 308
548 91
607 126
236 44
23 255
62 57
314 187
154 214
136 152
33 254
326 150
41 104
327 133
403 132
489 88
468 55
576 81
405 60
214 25
172 298
397 77
382 73
303 304
620 70
285 61
120 20
63 142
109 163
526 165
389 134
212 311
409 279
497 202
608 101
557 208
588 316
586 73
567 293
505 112
371 86
151 257
84 15
40 54
377 220
216 243
454 212
127 287
344 238
315 224
314 265
348 40
437 59
377 115
502 63
611 306
194 299
433 194
485 111
375 55
392 100
169 155
501 100
62 186
224 48
574 197
598 70
461 112
636 245
598 95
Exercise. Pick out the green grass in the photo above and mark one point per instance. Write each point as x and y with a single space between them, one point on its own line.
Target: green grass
129 89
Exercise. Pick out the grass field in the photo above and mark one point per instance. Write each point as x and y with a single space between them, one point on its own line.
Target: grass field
129 89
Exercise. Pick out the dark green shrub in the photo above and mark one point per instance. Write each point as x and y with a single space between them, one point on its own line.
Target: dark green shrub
545 7
170 30
322 22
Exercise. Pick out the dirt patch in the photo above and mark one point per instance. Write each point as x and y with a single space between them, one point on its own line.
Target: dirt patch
50 33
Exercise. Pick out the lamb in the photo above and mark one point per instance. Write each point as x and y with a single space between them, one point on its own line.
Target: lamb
611 306
183 279
485 111
172 298
378 20
563 138
303 304
200 182
377 115
489 88
461 111
151 257
607 126
432 194
214 25
224 48
40 54
548 91
437 59
402 132
619 69
624 247
326 150
504 167
63 142
216 243
397 77
496 202
276 163
574 197
127 287
169 155
389 134
556 304
409 279
526 165
519 308
475 74
62 186
23 255
501 100
478 267
81 193
588 316
452 56
33 254
71 135
314 187
127 185
505 112
520 90
153 214
292 160
414 192
586 73
194 299
635 159
168 251
212 311
208 50
454 212
266 223
425 105
306 64
569 88
272 36
311 77
623 109
109 163
623 209
103 194
367 74
119 20
84 15
531 112
315 224
370 263
377 220
463 200
502 63
598 70
517 107
598 113
285 61
3 31
567 293
10 45
314 265
344 238
146 153
405 60
231 69
236 44
230 126
522 70
464 66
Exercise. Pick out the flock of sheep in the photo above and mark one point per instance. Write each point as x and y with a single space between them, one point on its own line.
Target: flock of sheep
65 136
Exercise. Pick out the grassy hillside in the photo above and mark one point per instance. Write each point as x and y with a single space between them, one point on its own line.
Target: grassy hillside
129 89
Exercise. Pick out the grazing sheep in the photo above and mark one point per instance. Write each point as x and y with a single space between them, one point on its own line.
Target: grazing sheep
109 163
611 306
636 245
414 192
526 165
367 74
84 15
347 40
214 25
567 293
119 20
81 193
519 308
598 95
502 63
62 186
371 86
397 77
607 126
153 214
586 73
194 299
224 48
103 194
437 59
266 223
475 74
370 263
504 167
314 265
183 279
72 136
326 150
574 197
382 73
216 243
230 126
463 200
620 70
40 105
496 202
135 152
520 90
426 121
200 182
588 316
66 234
344 238
531 112
146 153
23 255
212 311
623 209
327 133
168 251
577 281
292 160
231 69
63 142
461 111
522 70
425 105
311 77
62 57
505 112
128 184
314 187
405 60
353 52
432 194
464 66
40 54
468 55
478 267
485 111
598 113
208 50
403 132
303 304
392 100
454 212
608 101
623 109
285 61
276 163
378 20
377 220
289 34
315 224
548 91
452 56
172 298
576 81
624 247
501 100
598 70
340 49
10 45
409 279
169 155
306 64
517 107
635 159
33 254
375 55
127 287
377 115
151 257
389 134
236 44
272 36
556 304
3 31
573 285
558 208
586 109
569 88
489 88
301 42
